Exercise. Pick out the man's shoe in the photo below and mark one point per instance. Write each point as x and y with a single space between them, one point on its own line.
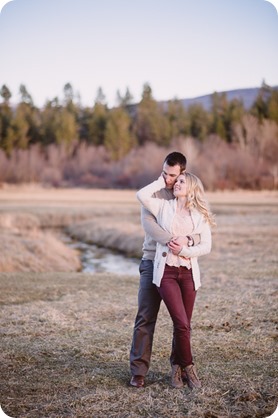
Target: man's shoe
137 381
176 380
191 377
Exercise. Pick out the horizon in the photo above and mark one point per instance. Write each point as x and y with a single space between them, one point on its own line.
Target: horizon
201 96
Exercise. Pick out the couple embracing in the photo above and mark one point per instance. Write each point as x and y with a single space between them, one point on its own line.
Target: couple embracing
177 222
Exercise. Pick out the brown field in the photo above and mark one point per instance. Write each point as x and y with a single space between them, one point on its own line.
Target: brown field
65 335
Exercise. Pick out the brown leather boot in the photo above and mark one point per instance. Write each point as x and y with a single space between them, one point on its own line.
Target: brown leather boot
137 381
176 376
191 377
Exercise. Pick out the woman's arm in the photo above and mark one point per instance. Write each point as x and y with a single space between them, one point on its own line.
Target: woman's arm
145 196
203 248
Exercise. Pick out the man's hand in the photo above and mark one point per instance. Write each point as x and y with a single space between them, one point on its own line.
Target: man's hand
180 240
176 244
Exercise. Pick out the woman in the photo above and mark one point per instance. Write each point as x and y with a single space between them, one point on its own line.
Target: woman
176 270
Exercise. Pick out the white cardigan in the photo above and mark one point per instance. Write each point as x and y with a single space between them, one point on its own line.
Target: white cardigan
164 211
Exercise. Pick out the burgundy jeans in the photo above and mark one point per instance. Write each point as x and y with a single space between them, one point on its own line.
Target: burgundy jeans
178 293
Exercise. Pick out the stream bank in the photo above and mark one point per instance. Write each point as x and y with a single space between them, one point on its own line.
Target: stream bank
95 259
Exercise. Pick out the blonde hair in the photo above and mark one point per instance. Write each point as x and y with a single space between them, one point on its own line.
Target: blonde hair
196 198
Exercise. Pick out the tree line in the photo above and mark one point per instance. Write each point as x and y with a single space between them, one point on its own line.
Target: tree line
68 126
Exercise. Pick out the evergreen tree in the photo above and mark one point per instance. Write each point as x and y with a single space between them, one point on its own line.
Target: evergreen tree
218 114
68 93
234 114
85 115
58 124
199 121
28 120
25 96
6 118
125 100
260 106
118 139
97 124
5 93
272 106
178 119
70 104
100 97
151 124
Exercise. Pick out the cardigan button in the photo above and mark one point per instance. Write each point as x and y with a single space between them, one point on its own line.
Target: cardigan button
164 254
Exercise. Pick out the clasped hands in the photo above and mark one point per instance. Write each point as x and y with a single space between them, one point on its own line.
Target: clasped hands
176 244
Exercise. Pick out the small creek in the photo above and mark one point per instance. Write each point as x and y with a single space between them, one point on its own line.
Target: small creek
98 259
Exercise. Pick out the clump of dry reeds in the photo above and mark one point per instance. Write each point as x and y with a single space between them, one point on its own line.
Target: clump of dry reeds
24 246
119 235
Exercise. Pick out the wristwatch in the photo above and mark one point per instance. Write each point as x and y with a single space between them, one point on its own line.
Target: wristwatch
190 242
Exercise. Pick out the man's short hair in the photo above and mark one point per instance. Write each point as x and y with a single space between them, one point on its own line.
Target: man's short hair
176 158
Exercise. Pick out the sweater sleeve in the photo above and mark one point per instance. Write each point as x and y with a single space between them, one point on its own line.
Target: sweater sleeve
152 228
204 246
145 196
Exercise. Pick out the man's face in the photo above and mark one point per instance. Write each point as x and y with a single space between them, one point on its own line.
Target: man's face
170 174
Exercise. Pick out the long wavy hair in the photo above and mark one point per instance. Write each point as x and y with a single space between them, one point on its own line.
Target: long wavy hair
196 198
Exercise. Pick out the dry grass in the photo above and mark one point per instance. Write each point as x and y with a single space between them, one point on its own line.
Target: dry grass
66 336
24 246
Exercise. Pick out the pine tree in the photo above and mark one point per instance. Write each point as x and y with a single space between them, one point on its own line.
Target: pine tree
151 123
118 139
5 93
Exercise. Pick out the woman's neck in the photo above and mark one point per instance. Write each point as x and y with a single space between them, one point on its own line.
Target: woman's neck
181 204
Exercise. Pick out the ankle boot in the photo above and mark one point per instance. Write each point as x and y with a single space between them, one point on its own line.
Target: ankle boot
191 377
176 376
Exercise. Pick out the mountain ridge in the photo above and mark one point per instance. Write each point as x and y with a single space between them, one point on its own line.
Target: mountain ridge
246 95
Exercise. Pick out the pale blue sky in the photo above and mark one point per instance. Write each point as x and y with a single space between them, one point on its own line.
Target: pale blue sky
182 48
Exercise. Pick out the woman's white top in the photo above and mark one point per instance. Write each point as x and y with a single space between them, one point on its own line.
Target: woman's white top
165 211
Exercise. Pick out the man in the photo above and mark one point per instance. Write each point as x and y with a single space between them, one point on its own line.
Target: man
148 297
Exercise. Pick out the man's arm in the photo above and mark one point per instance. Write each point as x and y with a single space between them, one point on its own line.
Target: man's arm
158 234
189 240
203 248
151 227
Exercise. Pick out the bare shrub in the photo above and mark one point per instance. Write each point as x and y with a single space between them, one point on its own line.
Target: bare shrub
22 165
250 161
140 166
88 165
190 147
261 141
51 176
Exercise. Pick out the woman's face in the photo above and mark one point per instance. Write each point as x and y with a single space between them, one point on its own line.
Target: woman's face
180 187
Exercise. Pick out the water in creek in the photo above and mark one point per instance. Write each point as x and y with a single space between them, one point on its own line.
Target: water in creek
97 259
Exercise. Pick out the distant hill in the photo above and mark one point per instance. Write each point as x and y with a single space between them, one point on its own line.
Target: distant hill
247 96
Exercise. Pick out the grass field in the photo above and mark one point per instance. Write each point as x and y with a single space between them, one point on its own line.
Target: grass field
66 335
